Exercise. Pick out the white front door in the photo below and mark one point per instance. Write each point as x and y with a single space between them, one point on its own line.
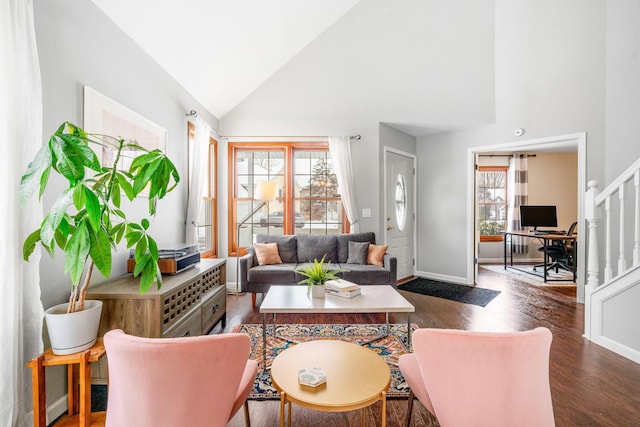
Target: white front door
400 209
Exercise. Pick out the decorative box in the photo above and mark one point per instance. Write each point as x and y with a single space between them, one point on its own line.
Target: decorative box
312 377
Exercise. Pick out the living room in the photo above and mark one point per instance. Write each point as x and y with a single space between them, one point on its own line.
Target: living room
552 68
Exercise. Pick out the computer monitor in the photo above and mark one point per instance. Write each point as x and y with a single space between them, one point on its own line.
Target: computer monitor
538 216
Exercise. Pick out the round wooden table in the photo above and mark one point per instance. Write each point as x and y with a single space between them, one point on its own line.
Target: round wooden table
356 378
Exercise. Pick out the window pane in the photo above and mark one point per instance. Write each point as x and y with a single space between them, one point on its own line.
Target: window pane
492 202
312 204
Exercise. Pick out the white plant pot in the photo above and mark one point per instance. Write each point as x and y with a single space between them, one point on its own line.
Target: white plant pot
317 291
73 332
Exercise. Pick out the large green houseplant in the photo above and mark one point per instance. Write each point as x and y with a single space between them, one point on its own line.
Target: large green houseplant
87 220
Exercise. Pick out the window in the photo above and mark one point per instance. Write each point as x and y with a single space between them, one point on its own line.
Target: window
307 199
208 219
492 202
316 196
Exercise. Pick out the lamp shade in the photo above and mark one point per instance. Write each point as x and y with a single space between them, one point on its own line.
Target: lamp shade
265 190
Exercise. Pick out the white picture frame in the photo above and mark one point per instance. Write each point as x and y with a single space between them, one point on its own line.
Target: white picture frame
103 115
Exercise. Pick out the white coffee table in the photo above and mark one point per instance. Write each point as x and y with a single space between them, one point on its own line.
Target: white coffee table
294 299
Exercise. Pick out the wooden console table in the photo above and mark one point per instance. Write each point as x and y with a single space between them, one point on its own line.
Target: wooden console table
188 303
79 386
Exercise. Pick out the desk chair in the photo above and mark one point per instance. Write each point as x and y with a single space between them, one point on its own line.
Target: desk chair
560 252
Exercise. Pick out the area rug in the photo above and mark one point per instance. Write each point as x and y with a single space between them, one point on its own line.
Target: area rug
524 274
390 348
451 291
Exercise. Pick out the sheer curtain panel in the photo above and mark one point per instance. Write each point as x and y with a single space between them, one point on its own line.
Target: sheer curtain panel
340 149
21 311
518 196
197 164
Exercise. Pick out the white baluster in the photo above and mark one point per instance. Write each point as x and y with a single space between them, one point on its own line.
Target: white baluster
636 243
622 262
608 270
591 215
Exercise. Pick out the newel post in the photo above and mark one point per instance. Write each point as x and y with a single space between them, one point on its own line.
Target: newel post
593 269
592 217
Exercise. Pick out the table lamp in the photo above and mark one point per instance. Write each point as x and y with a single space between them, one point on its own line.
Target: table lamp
265 192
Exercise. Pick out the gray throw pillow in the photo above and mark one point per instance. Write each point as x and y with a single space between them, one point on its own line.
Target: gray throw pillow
358 252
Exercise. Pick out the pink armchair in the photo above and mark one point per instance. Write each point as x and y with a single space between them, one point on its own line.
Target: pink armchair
469 378
194 381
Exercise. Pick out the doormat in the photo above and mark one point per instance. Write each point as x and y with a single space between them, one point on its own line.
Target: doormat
390 348
451 291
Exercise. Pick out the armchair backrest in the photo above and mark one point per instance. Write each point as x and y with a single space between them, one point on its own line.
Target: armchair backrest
485 378
173 381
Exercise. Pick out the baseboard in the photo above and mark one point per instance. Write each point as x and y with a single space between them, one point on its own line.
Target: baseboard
443 277
56 409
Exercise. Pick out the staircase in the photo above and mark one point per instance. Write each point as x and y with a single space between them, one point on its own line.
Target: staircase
612 304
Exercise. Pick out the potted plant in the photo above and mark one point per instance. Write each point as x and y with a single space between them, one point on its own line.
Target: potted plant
87 220
317 273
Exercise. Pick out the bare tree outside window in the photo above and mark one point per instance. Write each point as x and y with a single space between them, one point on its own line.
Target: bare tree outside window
492 201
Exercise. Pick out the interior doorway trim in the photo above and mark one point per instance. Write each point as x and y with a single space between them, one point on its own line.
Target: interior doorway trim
578 140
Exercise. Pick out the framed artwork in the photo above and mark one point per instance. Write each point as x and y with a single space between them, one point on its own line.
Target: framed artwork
102 115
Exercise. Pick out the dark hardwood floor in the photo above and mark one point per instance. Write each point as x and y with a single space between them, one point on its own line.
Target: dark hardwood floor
590 386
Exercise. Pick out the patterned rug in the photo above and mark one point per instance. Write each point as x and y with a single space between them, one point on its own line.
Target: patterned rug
390 348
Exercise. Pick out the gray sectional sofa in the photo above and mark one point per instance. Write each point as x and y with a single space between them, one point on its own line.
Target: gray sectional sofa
296 250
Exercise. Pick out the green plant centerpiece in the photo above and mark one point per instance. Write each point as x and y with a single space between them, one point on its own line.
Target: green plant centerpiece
87 220
317 273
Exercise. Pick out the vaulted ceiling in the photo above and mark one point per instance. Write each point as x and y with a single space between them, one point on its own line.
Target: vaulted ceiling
222 50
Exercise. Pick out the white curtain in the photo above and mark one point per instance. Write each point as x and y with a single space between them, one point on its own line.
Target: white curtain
340 149
199 153
21 312
518 195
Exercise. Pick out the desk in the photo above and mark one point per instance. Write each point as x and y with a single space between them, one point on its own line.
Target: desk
546 240
79 379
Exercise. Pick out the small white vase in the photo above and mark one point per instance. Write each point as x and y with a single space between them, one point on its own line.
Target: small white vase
73 332
317 291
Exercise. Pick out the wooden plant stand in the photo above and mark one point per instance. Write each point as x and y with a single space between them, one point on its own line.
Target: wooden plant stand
79 387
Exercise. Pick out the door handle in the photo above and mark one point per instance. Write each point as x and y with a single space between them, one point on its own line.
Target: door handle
389 227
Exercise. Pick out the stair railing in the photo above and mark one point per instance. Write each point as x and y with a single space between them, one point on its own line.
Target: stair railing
595 204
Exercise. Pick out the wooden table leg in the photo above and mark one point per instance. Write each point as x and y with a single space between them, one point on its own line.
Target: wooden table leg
38 389
363 417
282 403
85 390
72 389
384 409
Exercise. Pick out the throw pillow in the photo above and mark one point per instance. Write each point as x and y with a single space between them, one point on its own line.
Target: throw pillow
358 252
267 253
376 253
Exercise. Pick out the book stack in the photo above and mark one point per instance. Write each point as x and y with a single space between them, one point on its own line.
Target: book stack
342 288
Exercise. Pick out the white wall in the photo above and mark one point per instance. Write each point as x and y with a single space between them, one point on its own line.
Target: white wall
408 61
623 86
77 46
549 80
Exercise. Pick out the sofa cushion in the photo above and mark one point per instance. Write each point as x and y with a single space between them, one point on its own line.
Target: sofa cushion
286 245
366 274
314 246
376 254
358 252
267 253
276 273
342 243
